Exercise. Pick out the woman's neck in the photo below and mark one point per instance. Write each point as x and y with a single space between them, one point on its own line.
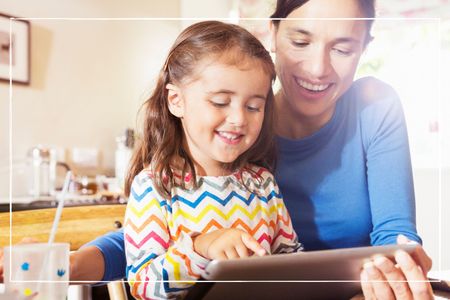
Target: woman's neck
294 125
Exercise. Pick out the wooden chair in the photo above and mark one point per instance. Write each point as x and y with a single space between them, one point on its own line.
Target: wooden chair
77 226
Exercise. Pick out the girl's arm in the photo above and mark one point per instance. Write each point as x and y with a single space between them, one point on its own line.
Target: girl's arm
285 239
154 256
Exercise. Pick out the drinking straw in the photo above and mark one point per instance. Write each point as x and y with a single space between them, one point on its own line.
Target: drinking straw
62 198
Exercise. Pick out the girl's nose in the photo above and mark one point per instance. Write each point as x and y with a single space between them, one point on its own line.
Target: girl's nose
237 117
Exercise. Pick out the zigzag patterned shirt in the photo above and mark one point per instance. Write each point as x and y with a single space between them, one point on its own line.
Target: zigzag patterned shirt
158 231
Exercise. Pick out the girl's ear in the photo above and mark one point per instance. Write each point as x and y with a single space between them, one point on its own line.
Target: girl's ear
175 100
273 37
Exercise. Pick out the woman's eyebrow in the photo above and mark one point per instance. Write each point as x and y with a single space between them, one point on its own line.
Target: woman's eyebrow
344 39
299 30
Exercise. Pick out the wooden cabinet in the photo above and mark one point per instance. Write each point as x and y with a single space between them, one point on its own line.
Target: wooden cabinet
78 225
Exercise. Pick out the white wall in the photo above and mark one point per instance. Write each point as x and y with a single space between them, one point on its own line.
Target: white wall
88 78
433 210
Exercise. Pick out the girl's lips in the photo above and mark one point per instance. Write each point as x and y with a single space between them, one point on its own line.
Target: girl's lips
228 140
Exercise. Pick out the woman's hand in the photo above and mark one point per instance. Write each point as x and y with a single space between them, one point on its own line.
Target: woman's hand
382 279
226 244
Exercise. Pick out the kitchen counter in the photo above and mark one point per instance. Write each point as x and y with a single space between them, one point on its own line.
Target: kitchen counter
26 203
77 225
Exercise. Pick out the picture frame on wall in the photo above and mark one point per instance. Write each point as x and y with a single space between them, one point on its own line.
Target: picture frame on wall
14 49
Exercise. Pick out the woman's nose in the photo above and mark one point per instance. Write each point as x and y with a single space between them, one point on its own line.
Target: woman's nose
317 65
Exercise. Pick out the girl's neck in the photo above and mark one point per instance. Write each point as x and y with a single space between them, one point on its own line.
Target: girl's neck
293 125
211 172
202 170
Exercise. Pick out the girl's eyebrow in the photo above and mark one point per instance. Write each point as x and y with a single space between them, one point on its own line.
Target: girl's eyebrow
230 92
336 40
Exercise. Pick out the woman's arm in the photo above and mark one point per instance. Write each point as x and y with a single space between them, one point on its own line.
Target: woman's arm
388 161
108 254
87 264
391 193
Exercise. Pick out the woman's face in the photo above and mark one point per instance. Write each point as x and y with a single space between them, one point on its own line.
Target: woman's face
316 59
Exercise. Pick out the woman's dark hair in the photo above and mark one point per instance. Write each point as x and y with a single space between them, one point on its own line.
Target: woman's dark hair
285 7
162 138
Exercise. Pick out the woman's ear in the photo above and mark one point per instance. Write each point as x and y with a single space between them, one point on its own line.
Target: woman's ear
175 100
273 37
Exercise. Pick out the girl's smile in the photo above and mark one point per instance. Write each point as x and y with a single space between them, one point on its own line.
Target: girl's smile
229 137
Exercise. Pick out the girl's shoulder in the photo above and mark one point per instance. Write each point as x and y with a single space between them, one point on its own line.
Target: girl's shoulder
257 171
143 184
258 179
144 177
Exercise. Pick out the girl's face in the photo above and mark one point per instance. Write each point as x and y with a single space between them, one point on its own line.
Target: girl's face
221 111
316 59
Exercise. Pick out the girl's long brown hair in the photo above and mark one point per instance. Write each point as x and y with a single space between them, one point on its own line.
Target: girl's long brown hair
162 137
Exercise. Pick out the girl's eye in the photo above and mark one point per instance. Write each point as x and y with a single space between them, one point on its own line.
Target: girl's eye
253 108
218 104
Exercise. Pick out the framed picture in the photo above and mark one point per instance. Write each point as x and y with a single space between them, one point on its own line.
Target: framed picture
14 49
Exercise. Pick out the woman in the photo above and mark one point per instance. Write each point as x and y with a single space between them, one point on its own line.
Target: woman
344 166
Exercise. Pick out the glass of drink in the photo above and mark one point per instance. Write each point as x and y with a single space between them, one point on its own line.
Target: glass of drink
37 271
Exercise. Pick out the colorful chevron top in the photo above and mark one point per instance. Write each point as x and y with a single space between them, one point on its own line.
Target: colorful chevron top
161 262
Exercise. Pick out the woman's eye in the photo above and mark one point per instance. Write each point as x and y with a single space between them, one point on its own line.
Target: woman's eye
343 52
300 44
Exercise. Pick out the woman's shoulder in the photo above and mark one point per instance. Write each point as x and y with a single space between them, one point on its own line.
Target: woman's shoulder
374 98
370 90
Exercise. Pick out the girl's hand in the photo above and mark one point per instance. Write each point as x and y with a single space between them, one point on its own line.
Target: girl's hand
226 244
382 279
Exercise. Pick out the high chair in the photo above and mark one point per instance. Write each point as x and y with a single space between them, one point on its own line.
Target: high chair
77 226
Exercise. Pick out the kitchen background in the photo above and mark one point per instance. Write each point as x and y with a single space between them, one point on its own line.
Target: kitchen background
89 78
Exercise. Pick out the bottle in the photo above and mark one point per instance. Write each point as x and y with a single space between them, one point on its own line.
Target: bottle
125 144
43 162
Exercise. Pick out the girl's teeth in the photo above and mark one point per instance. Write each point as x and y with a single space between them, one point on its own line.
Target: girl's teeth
228 135
312 87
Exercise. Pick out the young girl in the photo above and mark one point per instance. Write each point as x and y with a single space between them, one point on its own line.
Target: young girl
199 186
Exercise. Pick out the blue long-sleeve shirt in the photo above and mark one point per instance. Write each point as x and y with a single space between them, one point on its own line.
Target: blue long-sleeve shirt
347 185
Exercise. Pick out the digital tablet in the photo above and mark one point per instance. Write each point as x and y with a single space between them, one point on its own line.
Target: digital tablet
327 274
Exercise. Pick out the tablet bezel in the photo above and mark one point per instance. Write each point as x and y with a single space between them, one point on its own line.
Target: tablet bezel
325 274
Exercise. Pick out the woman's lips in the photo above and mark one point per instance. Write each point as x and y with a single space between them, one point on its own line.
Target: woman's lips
312 91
